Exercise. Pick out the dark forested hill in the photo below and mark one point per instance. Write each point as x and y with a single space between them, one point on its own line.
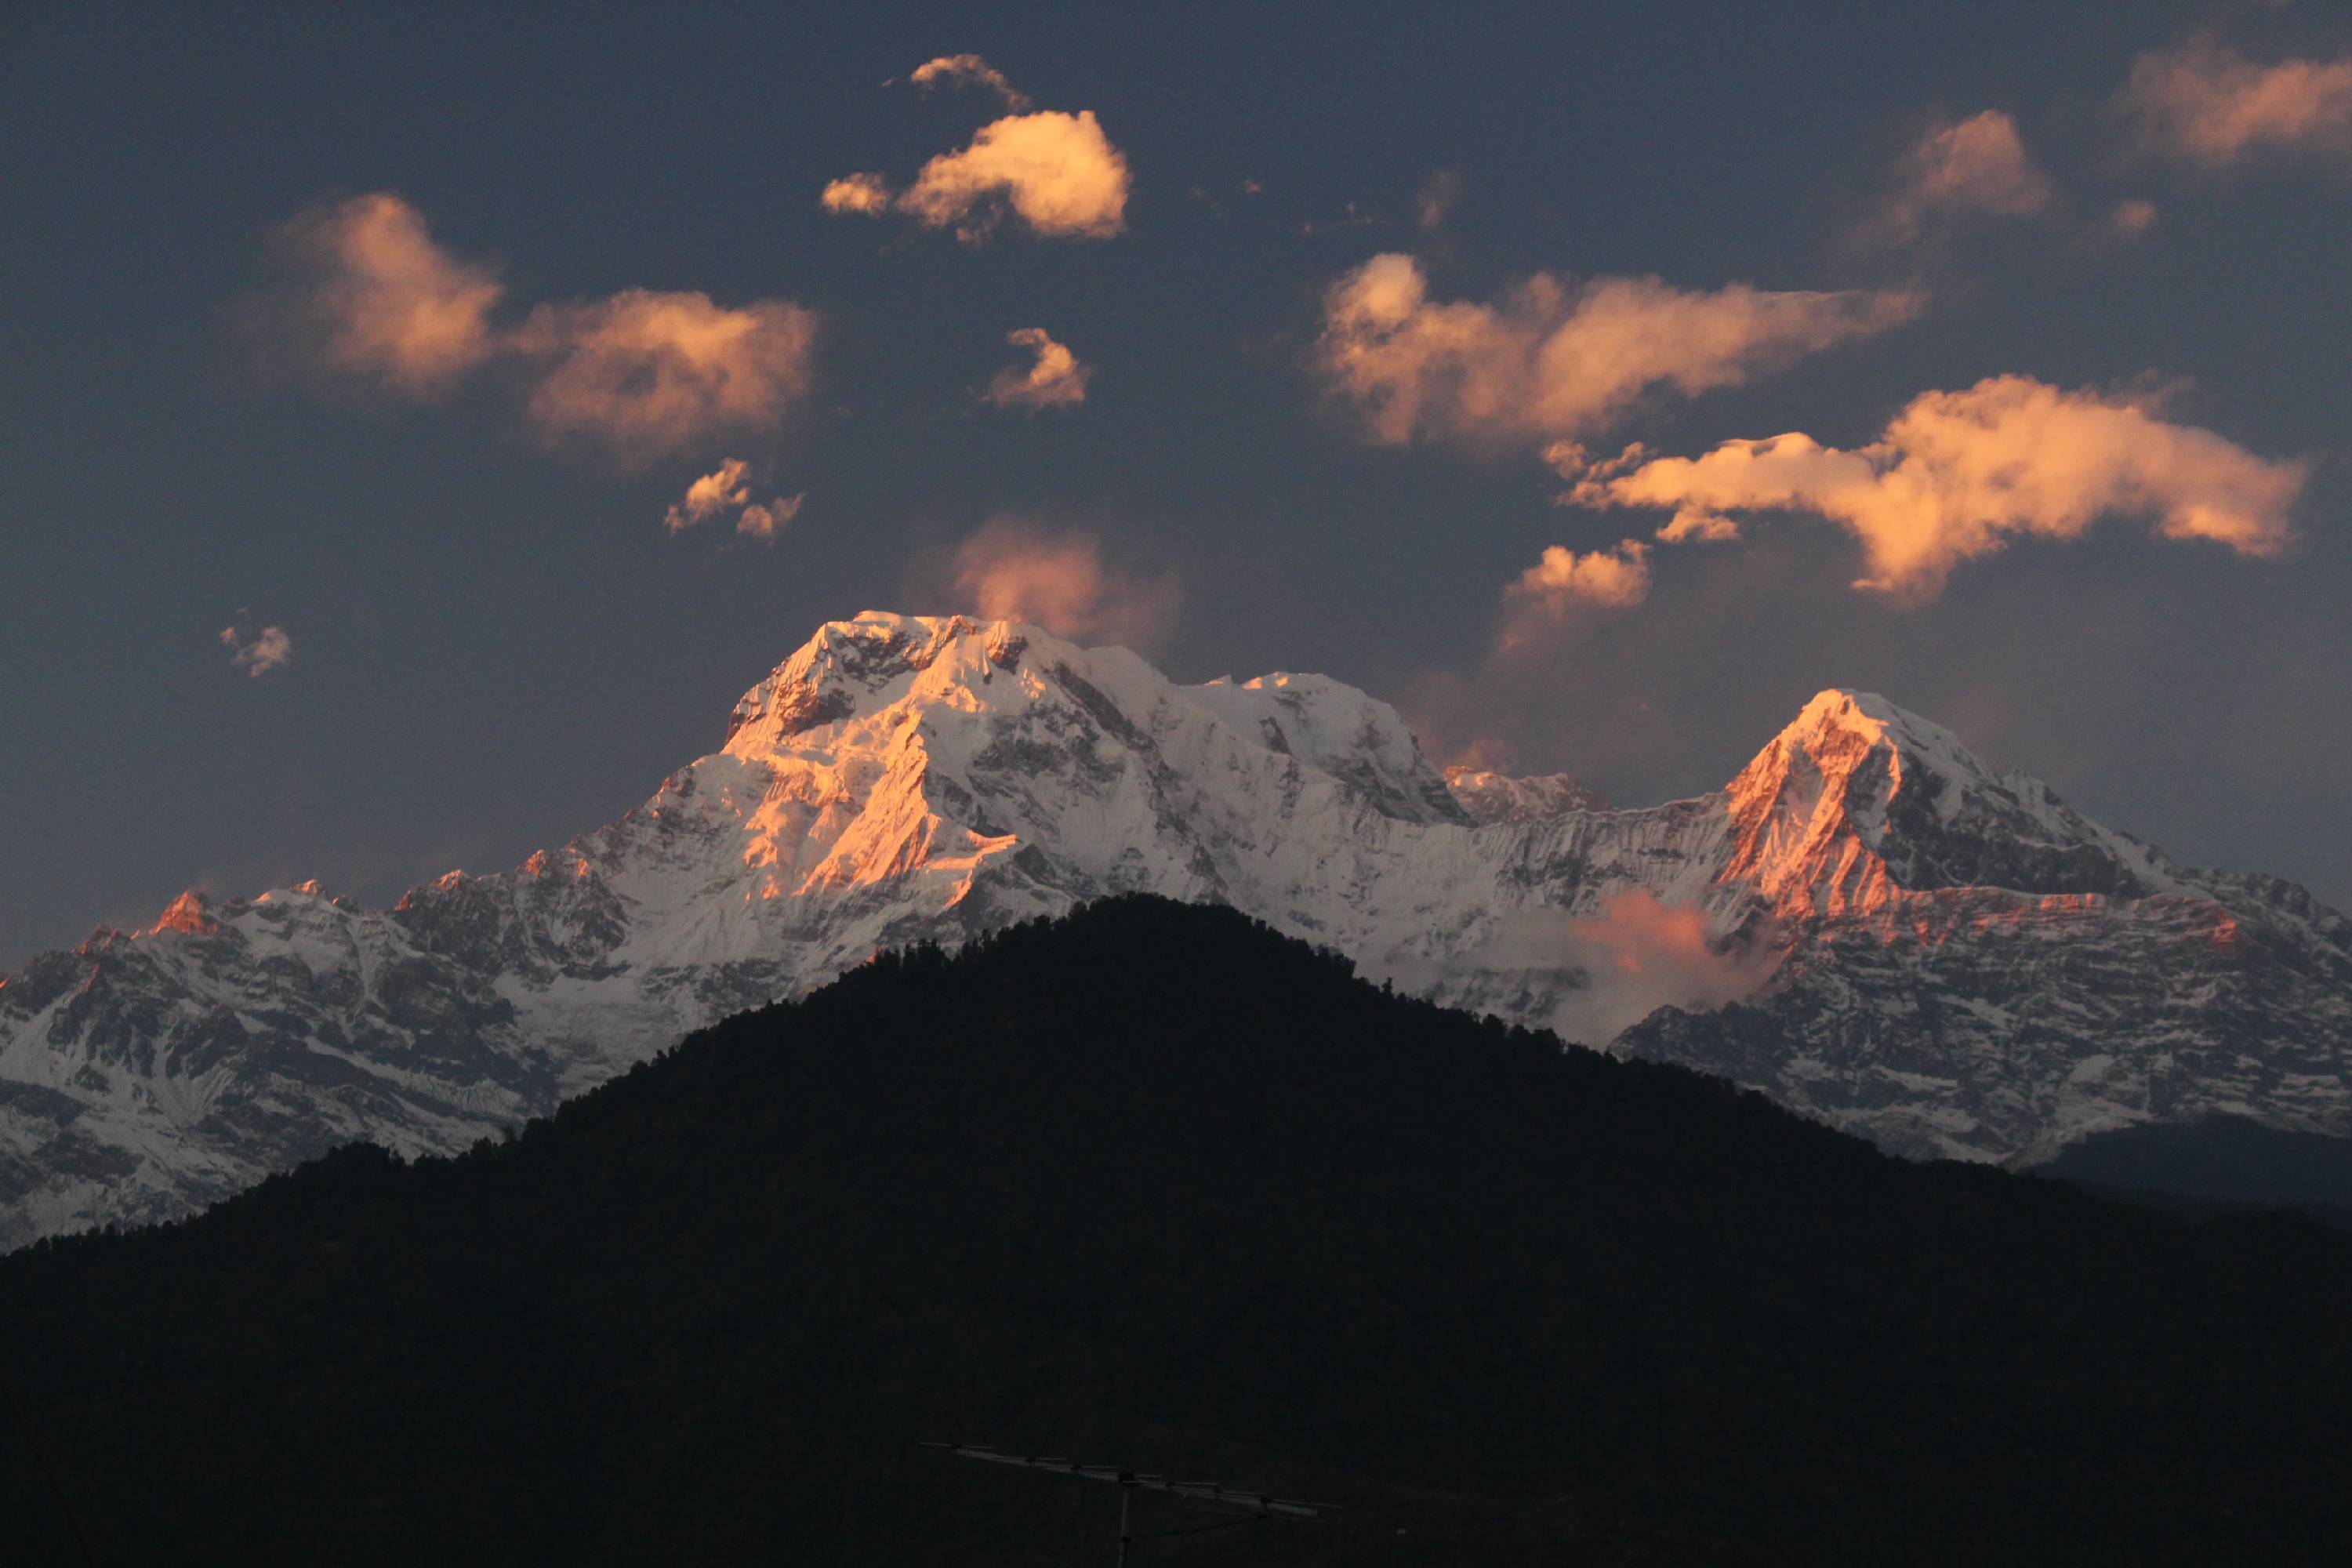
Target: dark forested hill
1154 1185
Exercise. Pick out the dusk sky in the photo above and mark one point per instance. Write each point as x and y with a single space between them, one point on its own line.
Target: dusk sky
421 426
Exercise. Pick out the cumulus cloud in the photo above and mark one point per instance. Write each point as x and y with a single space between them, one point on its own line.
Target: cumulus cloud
1564 580
1012 570
726 490
1057 379
2204 104
1056 172
372 296
1556 360
1957 172
647 374
868 195
640 373
968 70
257 652
1962 474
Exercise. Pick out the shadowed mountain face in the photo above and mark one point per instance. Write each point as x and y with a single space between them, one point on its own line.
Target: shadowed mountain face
1865 923
1156 1185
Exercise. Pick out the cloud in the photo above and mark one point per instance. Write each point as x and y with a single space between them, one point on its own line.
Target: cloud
728 489
1640 954
1056 172
640 373
764 522
1563 579
256 653
869 195
1012 570
1554 360
645 373
1958 171
371 296
2204 104
1438 194
1962 474
968 70
1057 380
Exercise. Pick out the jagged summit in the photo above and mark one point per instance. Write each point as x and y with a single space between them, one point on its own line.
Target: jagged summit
1866 922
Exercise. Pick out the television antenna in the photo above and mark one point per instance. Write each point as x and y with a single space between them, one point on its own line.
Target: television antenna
1251 1506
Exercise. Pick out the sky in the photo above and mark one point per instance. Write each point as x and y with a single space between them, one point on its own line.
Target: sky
419 425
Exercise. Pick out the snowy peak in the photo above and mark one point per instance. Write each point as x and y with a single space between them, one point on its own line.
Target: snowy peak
1491 799
1859 798
1361 742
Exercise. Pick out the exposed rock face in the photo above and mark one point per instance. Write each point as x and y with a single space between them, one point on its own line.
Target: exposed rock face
1944 961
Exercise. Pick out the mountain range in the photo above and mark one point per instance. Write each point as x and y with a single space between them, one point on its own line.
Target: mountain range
1866 923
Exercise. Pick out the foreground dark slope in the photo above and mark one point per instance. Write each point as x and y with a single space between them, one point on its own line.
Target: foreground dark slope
1154 1185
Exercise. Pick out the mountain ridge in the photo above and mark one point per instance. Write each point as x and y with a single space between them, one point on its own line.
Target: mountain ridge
1866 923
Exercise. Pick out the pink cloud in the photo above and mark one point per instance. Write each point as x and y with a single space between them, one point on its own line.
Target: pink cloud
866 194
1959 474
1012 570
1553 360
1958 171
644 373
968 70
1055 379
1562 580
257 652
1640 954
1056 172
372 297
2203 103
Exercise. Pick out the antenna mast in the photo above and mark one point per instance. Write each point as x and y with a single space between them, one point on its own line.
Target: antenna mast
1255 1505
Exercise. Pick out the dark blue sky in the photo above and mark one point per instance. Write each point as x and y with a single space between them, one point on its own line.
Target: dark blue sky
496 643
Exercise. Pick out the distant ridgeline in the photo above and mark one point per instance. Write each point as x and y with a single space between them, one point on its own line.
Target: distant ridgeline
1155 1185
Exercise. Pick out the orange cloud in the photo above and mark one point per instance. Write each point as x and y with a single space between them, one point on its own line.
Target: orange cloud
1562 580
1972 168
1011 570
1056 172
868 195
968 70
373 296
2203 103
1959 474
1552 359
257 653
647 374
1057 380
764 522
729 490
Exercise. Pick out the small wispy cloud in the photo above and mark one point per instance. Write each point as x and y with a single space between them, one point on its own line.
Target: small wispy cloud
1959 173
726 492
1013 569
1057 378
2203 104
643 374
866 194
257 651
368 294
968 70
1553 360
1562 581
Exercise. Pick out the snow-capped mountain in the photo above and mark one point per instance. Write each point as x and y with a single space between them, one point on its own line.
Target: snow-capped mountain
1865 923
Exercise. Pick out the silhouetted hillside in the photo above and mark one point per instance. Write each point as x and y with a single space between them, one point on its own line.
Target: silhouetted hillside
1155 1185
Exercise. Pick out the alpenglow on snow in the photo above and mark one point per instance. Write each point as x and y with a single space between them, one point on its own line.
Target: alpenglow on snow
1865 923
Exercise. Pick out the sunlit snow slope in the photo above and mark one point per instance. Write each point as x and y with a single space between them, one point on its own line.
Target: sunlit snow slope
1865 923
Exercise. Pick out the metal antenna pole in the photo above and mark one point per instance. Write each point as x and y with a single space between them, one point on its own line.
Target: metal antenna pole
1242 1506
